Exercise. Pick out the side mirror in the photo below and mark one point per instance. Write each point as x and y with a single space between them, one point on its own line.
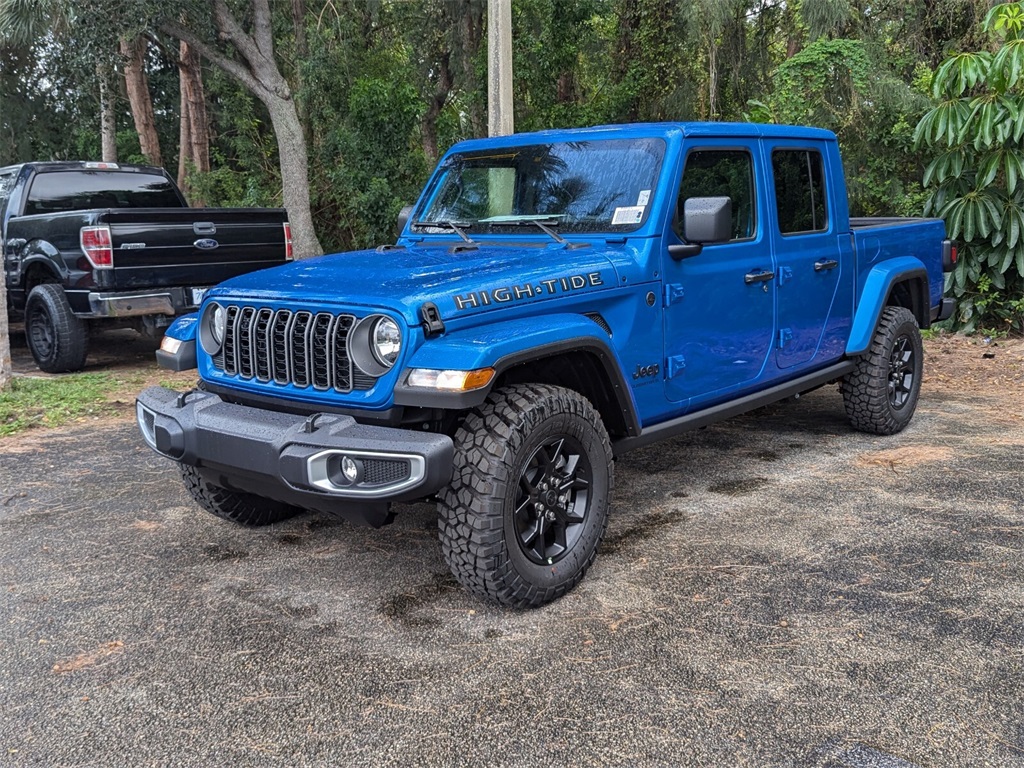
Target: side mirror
705 220
403 218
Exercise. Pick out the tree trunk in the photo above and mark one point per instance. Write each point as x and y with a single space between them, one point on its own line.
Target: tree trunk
435 104
184 138
195 130
137 86
108 117
255 67
472 37
5 339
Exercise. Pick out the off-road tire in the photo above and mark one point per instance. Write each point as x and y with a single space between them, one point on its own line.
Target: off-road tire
506 451
242 508
881 393
58 341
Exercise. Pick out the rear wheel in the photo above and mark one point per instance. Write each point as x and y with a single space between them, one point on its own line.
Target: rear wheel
242 508
521 521
882 392
58 341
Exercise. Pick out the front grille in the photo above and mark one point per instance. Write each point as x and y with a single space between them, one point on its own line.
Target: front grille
305 349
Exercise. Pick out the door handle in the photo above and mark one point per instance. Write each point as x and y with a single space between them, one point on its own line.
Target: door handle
821 266
757 277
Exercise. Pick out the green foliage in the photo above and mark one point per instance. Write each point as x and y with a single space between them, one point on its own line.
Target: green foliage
51 402
836 84
975 133
382 88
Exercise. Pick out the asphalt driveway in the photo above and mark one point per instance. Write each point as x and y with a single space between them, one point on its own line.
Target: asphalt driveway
773 591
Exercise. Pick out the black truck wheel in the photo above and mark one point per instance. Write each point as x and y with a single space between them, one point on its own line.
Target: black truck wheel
58 341
242 508
521 521
881 394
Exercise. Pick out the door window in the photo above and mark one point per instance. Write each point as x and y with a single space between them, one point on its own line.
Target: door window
799 191
721 173
6 185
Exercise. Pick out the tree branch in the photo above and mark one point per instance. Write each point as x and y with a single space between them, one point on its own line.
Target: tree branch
262 30
231 67
264 68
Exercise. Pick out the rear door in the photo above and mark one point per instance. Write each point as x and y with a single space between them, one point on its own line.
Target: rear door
720 304
811 255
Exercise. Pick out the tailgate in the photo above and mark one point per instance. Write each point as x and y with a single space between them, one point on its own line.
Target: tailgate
160 247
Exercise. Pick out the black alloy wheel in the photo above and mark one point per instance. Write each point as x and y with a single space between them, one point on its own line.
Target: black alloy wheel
554 494
902 372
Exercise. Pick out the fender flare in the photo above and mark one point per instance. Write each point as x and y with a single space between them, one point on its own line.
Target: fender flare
878 287
507 344
48 262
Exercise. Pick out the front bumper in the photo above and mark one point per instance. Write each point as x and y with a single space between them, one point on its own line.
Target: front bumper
296 459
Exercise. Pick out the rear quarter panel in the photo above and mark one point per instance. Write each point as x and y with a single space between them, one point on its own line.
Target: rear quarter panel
879 240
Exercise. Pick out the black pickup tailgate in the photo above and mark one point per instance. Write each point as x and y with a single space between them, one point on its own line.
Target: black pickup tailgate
157 247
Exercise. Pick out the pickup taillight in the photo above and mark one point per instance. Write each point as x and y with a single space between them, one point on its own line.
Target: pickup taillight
97 246
948 255
289 252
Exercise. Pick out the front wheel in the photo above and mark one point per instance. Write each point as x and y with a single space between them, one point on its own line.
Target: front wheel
521 521
242 508
881 394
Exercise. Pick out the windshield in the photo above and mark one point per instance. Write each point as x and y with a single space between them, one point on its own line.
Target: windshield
83 190
580 186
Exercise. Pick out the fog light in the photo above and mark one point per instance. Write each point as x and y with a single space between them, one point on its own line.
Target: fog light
343 471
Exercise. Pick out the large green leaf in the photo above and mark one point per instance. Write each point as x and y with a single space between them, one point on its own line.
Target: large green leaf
960 73
1007 65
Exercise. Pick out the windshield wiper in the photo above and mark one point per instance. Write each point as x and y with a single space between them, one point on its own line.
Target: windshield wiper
544 225
458 227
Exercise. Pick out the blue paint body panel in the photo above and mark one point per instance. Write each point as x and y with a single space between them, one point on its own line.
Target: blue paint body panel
710 333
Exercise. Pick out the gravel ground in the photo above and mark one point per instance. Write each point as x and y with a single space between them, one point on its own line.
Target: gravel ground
773 591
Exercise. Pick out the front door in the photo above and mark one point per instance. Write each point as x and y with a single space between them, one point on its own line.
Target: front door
720 304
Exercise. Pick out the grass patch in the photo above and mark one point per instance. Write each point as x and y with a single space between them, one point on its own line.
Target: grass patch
29 403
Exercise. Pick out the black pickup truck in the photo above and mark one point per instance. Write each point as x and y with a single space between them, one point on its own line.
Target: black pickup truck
101 244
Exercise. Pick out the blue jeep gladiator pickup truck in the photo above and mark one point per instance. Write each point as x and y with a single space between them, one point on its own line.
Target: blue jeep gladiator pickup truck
554 299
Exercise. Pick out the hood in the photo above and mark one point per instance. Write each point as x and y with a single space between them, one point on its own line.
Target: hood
460 283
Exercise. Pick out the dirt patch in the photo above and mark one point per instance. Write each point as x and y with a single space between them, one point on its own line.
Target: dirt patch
907 456
87 659
977 363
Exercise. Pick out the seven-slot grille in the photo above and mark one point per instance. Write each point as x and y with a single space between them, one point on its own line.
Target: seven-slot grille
290 347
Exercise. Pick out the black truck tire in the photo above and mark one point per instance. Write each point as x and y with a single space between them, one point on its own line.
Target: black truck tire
58 341
881 394
242 508
527 507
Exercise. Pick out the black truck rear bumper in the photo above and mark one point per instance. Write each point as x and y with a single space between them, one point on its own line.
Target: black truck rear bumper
296 459
170 302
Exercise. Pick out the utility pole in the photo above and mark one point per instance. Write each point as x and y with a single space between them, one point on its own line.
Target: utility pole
499 68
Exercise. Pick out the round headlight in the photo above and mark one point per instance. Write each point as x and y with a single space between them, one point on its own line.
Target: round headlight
218 322
212 327
386 341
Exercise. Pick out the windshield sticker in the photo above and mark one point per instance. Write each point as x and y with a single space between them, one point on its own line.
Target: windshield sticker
509 293
645 196
630 215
